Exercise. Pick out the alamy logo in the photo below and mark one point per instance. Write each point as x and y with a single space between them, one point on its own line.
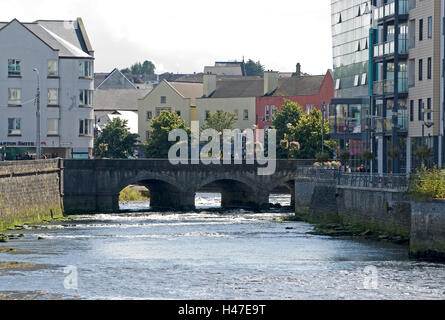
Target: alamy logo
371 281
228 147
71 280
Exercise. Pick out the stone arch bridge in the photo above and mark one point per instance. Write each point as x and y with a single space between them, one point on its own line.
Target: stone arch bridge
93 186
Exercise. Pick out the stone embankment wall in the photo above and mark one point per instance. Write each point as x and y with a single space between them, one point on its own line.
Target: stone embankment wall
428 230
381 210
30 191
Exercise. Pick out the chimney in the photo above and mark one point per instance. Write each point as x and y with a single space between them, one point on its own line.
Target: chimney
209 84
270 82
298 73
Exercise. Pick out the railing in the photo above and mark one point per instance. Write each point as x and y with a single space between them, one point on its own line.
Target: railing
390 9
387 86
355 179
388 48
366 180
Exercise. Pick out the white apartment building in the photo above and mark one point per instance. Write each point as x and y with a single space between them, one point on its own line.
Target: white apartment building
59 54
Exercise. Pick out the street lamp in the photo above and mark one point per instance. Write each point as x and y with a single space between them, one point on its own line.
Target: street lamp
38 115
323 110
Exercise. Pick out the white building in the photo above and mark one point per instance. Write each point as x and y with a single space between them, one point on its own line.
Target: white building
63 56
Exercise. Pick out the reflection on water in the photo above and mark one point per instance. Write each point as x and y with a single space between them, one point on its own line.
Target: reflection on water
207 255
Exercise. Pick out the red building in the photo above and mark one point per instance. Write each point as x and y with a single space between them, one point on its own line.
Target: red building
308 91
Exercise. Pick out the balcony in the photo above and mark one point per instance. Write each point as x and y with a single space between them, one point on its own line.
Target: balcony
388 48
389 10
386 87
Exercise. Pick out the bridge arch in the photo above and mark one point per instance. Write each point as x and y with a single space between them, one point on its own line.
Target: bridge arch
166 192
236 192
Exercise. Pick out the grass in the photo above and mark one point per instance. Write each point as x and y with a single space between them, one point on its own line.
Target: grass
129 194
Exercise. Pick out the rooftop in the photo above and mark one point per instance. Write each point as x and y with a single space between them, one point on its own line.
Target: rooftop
66 36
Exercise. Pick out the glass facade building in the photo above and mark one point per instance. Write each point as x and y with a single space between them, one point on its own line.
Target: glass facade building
351 24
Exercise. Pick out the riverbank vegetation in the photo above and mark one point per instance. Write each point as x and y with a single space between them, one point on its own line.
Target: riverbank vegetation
131 194
428 184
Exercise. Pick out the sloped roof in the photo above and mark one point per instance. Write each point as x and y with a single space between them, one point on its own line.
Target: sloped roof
299 86
287 87
118 99
188 90
99 77
239 88
120 81
63 36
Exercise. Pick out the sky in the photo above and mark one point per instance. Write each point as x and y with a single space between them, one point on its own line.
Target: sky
184 36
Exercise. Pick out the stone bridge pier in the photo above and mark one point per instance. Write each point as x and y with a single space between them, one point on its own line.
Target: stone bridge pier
93 186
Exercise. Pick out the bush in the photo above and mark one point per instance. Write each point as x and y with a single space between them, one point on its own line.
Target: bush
428 184
322 157
130 194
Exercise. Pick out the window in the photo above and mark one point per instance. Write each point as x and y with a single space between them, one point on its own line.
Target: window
246 114
13 67
420 111
411 110
14 125
236 114
428 106
420 69
53 68
14 97
337 84
420 29
273 110
147 135
163 100
356 80
149 115
86 69
86 127
53 127
86 97
430 27
160 110
429 68
266 113
207 114
178 113
364 79
53 97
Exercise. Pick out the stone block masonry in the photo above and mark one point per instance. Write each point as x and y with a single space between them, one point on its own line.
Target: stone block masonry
428 230
30 191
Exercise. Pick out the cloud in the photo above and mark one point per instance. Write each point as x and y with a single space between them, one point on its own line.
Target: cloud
184 36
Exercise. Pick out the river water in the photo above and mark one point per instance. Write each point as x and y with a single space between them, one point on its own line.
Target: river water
209 255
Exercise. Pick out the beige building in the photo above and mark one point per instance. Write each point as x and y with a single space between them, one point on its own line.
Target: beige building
179 97
237 96
425 77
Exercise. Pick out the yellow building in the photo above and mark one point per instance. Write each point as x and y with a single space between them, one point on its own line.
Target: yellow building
236 96
179 97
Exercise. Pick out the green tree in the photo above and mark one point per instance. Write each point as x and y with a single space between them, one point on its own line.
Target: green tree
290 113
148 68
157 146
220 121
308 132
115 141
254 68
136 69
